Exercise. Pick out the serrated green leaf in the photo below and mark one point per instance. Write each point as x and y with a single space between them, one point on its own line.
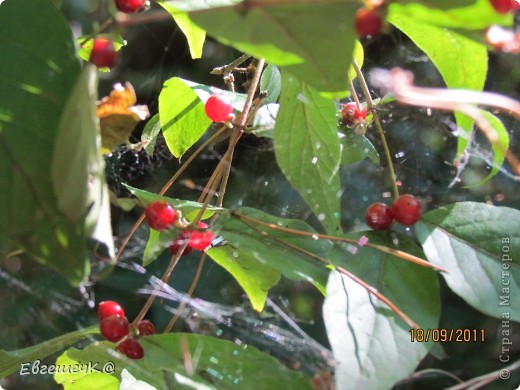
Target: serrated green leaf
290 35
11 361
36 79
150 133
307 148
254 277
193 33
271 82
370 342
270 250
220 363
461 61
479 246
476 16
359 56
355 148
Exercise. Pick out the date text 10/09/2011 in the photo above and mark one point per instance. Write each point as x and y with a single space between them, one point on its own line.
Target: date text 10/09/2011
447 335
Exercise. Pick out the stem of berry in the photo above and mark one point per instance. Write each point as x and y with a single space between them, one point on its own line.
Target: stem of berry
371 108
395 252
354 93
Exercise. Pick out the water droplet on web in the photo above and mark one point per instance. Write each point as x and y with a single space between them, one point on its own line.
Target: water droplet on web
321 217
352 249
363 241
315 236
309 191
266 183
235 254
318 145
399 154
314 160
387 195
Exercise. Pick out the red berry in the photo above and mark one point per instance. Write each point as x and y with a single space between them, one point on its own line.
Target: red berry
178 243
200 240
146 328
103 53
502 6
353 114
109 308
129 6
368 22
379 216
219 108
131 348
114 328
515 5
406 210
160 215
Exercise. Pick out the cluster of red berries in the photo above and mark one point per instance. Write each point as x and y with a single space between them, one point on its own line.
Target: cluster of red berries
505 6
114 326
161 216
405 210
219 108
353 114
103 54
368 21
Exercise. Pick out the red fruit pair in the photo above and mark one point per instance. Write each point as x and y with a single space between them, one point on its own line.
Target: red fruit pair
198 240
160 215
353 114
114 326
405 210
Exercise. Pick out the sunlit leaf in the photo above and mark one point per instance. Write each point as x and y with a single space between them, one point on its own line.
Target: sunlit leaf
291 35
254 277
473 15
479 245
193 33
275 250
150 133
307 148
461 61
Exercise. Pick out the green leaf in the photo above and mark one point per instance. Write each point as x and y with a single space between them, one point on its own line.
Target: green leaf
220 363
182 116
11 361
254 277
157 243
479 246
264 121
307 148
359 56
355 148
371 344
269 251
291 35
36 80
500 147
150 133
271 82
476 16
461 61
186 206
193 33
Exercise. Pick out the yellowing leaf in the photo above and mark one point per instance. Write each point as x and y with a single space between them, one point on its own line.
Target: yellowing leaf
118 116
